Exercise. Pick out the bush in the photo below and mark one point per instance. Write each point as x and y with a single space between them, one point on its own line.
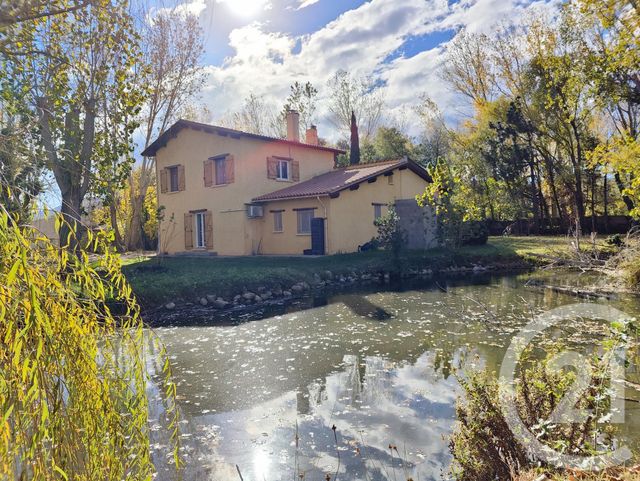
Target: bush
483 446
474 233
390 234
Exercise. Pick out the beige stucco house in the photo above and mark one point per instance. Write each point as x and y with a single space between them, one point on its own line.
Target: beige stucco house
228 192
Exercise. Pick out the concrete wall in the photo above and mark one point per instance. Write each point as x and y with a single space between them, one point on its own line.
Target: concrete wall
419 223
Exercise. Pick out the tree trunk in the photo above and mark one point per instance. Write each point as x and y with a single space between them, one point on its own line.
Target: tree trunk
71 228
621 187
113 214
605 201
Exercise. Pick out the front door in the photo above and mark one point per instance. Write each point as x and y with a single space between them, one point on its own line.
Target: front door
200 230
317 236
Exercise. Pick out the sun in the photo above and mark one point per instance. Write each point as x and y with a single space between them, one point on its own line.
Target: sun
246 8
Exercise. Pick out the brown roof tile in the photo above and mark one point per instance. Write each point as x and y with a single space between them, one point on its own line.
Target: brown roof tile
337 180
172 131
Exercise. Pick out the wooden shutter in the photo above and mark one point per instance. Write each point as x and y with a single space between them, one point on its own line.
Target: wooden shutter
163 181
295 170
208 230
188 231
272 168
181 183
208 173
229 170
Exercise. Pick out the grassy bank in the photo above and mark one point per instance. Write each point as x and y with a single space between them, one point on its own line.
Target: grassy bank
159 280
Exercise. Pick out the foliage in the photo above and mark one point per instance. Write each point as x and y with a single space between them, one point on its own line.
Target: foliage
483 445
349 93
76 72
391 236
302 99
72 371
447 195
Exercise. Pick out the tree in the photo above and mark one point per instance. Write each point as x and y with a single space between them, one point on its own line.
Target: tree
73 375
435 139
354 152
87 63
359 95
170 69
258 117
391 144
302 99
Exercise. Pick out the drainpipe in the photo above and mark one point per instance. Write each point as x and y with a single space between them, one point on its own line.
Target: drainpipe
326 225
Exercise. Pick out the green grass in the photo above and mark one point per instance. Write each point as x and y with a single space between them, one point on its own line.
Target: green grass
159 280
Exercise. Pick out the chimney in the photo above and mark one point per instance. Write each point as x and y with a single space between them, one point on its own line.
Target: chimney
312 135
293 126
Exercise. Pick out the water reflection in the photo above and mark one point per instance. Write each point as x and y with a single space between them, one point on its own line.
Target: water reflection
248 391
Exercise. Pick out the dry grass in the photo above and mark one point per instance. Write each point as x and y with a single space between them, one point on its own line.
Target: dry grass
614 474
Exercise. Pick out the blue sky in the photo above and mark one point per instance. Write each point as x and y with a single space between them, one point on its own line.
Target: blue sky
261 47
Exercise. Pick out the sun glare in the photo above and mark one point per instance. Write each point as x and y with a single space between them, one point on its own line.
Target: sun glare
246 8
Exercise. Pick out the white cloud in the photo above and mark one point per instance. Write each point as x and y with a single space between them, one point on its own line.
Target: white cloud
306 3
361 41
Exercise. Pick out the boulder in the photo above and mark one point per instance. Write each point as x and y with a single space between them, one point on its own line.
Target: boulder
170 306
286 293
249 296
297 289
220 303
328 275
211 297
203 301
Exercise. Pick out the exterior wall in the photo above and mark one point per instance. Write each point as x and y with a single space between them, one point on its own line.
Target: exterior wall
352 213
289 241
233 232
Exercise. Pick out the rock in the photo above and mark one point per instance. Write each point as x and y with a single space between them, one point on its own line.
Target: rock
477 269
297 289
277 291
220 303
237 298
321 284
203 301
286 293
257 299
211 297
261 290
249 296
266 295
317 279
341 279
328 275
305 285
170 306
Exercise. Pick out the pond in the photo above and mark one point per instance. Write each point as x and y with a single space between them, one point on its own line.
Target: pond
262 396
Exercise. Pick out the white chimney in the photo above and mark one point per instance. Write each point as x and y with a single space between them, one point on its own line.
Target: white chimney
312 135
293 126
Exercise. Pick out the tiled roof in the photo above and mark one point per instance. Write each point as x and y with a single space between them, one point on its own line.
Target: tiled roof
338 180
172 131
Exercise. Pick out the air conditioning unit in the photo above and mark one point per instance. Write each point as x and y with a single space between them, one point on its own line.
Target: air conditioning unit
255 211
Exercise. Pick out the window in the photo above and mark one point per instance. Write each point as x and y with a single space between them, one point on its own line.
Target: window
200 226
283 170
277 221
221 168
304 221
377 211
174 185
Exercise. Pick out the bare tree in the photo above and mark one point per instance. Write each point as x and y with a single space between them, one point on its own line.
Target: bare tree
171 71
468 66
359 95
258 117
303 100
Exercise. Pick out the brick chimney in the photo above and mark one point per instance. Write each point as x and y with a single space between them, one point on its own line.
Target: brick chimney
293 126
312 135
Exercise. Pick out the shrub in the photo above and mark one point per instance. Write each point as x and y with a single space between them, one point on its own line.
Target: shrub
474 233
390 235
483 446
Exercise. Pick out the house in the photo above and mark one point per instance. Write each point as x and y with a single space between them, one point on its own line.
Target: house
228 192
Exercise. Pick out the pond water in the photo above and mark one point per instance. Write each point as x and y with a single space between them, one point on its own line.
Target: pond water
263 396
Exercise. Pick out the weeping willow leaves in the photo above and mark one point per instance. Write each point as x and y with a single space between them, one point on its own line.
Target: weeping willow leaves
72 371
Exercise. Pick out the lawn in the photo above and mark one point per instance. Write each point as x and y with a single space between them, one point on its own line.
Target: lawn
159 280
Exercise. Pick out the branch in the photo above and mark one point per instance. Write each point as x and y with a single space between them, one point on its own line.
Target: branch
8 20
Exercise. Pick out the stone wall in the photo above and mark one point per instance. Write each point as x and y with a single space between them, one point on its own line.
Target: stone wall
418 222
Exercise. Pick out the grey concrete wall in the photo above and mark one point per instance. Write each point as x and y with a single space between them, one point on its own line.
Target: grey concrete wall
419 223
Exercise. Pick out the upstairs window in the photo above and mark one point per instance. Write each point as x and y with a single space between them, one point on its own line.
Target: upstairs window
283 170
174 184
221 169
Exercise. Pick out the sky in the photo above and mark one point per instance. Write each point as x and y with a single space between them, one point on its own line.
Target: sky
263 46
